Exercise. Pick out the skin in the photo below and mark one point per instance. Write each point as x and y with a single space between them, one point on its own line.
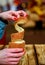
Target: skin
12 15
13 55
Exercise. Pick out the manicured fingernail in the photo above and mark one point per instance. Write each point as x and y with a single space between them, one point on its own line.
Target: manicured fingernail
25 15
15 18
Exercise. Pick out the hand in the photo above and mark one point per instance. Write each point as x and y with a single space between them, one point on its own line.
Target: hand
11 56
12 15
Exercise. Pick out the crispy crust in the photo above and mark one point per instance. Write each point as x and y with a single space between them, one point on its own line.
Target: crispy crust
16 45
15 36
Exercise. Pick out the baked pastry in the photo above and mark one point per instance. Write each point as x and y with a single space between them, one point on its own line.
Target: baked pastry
17 38
20 30
17 44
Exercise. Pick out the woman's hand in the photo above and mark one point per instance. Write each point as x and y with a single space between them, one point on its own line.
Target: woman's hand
11 56
12 15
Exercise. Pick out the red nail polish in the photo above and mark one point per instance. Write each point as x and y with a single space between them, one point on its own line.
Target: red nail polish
26 15
15 18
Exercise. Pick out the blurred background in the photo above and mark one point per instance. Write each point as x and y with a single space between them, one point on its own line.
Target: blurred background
35 28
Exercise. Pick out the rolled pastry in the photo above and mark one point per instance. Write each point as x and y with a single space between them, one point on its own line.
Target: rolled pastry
17 38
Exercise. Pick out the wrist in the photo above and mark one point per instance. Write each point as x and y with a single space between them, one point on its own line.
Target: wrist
3 20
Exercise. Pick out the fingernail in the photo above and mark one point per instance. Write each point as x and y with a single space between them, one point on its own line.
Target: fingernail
14 18
21 48
25 15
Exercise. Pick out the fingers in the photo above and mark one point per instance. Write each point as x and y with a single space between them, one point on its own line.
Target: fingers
13 15
13 59
16 55
12 63
22 13
14 50
10 17
12 55
17 14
